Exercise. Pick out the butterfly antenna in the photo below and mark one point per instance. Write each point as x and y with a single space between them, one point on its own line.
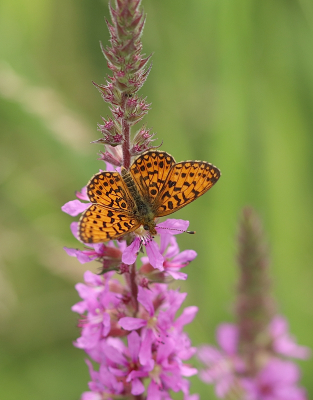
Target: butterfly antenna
179 230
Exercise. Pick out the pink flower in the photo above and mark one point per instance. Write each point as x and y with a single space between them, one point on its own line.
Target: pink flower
157 318
103 385
165 229
276 381
173 260
102 296
124 362
283 342
168 372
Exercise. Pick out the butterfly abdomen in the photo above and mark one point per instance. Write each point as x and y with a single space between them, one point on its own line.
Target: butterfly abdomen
130 185
143 209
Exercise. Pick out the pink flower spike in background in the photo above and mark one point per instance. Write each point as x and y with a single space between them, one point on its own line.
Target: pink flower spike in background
250 363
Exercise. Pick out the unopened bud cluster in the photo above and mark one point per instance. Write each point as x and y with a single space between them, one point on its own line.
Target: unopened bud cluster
130 70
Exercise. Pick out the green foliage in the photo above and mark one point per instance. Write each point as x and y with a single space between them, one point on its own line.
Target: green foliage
231 83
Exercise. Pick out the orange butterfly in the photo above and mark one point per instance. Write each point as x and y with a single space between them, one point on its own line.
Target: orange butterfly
154 186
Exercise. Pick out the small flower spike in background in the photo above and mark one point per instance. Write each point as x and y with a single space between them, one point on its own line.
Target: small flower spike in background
252 361
128 322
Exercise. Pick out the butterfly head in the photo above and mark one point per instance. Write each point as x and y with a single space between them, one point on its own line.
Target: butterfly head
150 227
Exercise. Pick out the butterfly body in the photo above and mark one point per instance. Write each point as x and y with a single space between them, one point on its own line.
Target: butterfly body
155 186
142 209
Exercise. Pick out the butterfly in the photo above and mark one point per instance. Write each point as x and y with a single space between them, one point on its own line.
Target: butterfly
154 186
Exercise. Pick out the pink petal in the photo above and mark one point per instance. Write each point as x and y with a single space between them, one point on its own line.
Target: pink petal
153 392
278 326
91 396
109 167
173 226
130 253
74 207
117 371
83 290
145 351
175 299
142 373
81 257
79 307
284 372
137 387
168 228
206 376
74 230
117 343
192 397
165 350
188 371
177 275
106 324
93 279
130 324
290 393
155 257
99 248
109 380
185 256
186 317
283 342
82 195
287 346
133 345
172 250
227 338
113 354
223 385
144 297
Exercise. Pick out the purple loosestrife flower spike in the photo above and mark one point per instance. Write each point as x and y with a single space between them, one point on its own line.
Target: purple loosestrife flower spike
250 362
128 326
255 306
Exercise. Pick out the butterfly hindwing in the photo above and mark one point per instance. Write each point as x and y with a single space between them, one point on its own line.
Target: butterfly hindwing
150 171
101 224
186 182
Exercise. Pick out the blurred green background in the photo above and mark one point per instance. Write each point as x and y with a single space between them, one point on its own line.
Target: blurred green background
232 83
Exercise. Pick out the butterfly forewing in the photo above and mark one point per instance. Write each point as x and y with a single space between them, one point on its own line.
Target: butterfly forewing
150 172
186 182
101 224
108 189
